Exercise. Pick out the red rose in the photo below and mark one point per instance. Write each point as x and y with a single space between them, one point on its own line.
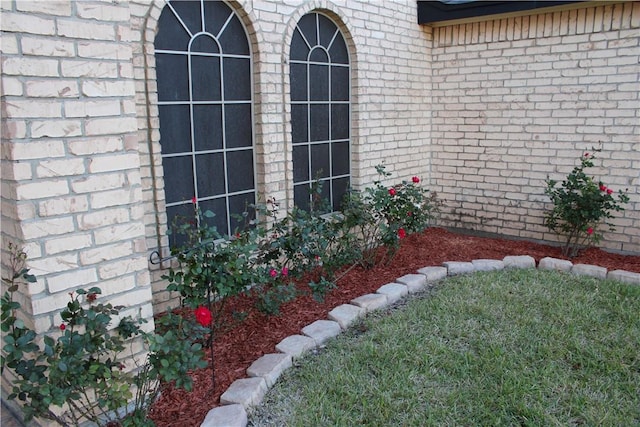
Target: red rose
285 271
589 231
609 191
603 187
409 213
203 316
273 272
401 233
392 191
63 326
91 297
415 179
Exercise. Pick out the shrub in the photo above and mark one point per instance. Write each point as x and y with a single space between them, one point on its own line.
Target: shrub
378 217
580 206
82 370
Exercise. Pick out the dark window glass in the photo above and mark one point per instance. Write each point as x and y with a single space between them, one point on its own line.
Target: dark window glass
240 203
298 82
205 108
307 26
237 118
219 209
189 12
320 167
175 128
320 110
233 39
204 43
171 35
210 173
301 160
208 133
173 78
339 187
216 14
240 170
319 122
339 83
340 158
339 121
237 79
299 123
205 78
338 51
327 30
319 76
299 49
301 196
178 179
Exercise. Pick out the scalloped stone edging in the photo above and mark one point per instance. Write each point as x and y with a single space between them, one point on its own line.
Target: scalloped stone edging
264 372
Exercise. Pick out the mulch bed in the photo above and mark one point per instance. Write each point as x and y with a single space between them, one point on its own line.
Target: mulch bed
238 348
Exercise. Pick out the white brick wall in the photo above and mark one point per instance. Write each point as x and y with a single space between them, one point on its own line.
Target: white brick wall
70 182
520 99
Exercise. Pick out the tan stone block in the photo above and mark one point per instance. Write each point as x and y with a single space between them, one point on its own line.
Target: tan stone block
63 205
89 69
100 88
24 108
68 243
55 128
40 190
63 167
105 253
85 30
116 162
103 217
47 227
26 23
84 278
111 126
117 233
94 183
49 7
28 66
52 89
45 46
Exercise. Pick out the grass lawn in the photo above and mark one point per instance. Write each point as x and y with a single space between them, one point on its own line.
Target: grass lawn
516 347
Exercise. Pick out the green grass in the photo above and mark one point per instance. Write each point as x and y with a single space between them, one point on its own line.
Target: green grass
517 347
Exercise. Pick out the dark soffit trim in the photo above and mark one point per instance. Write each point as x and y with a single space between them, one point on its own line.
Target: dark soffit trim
430 12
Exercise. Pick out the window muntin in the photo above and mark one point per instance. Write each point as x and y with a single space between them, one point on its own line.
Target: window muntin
205 103
320 110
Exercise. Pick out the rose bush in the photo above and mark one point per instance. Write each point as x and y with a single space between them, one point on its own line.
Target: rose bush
580 206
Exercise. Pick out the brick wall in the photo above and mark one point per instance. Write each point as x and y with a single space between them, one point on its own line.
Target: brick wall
516 100
71 182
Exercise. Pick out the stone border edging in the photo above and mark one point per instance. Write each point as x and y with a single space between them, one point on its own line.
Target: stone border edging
264 372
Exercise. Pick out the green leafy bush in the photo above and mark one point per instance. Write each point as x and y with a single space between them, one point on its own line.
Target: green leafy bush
82 370
378 217
580 206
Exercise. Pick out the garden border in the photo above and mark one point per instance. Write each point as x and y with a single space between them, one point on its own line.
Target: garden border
264 372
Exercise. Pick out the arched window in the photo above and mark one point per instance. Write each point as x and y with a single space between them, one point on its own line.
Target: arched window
320 109
203 66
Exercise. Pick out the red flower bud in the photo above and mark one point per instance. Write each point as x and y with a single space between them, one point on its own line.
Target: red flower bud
63 326
203 316
194 200
609 191
285 271
603 187
586 154
392 191
589 231
401 233
273 272
415 179
91 297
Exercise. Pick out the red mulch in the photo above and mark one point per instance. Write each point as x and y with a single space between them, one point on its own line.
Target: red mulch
236 349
